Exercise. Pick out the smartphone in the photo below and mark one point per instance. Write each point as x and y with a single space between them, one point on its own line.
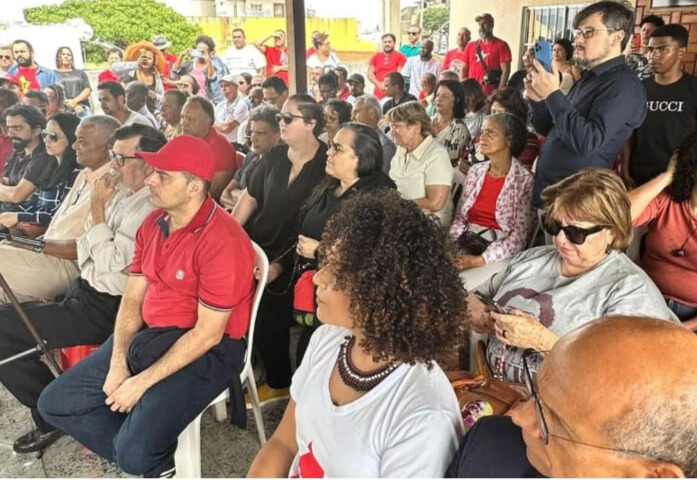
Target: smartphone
489 302
195 53
636 40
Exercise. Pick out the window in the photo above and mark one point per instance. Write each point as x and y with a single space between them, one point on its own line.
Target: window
279 10
549 23
255 7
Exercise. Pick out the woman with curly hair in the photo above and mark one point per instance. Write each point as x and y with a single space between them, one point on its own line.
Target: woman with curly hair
146 63
667 206
369 399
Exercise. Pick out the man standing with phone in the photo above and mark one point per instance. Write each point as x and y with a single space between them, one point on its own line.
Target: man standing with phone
637 53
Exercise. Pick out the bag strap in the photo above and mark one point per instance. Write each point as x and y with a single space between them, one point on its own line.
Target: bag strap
481 57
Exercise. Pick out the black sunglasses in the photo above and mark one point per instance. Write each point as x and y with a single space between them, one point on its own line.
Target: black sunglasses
413 33
5 57
119 159
576 235
50 135
287 117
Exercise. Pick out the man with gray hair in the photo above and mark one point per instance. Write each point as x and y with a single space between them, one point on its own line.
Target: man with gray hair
367 110
51 270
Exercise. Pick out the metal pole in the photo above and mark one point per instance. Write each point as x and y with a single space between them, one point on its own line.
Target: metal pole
422 5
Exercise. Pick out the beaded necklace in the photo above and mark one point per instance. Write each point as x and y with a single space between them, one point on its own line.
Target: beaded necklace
352 376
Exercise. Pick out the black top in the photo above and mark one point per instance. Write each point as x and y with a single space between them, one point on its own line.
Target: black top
249 164
493 448
274 225
74 82
671 116
588 127
390 104
36 168
517 80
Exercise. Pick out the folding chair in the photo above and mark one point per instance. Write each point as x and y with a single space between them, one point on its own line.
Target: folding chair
188 455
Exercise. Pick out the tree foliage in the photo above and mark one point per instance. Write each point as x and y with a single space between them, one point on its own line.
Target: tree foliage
120 22
435 17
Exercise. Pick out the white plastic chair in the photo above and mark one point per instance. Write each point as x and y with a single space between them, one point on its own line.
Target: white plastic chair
188 455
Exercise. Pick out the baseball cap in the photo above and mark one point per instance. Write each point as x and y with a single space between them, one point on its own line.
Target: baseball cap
11 79
183 154
229 78
356 77
484 16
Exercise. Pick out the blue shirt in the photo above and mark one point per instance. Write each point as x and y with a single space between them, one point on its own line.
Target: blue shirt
587 128
44 76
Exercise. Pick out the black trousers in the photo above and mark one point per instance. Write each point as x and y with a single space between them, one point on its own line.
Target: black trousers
84 317
272 335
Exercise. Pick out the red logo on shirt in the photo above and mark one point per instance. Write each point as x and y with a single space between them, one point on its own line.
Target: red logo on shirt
308 465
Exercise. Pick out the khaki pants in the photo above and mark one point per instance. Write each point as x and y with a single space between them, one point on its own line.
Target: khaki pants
34 275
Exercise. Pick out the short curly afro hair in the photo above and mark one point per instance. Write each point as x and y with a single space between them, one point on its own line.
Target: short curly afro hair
397 269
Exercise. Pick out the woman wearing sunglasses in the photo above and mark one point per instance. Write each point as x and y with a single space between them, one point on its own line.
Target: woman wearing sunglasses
268 210
667 206
369 400
548 291
59 137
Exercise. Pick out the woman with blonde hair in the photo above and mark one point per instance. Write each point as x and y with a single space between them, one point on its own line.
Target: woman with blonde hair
548 291
421 166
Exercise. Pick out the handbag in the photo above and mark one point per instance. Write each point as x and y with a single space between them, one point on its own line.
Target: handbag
491 77
479 394
471 243
304 300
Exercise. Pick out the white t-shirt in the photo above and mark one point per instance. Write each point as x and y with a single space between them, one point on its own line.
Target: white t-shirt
237 110
331 61
246 59
407 426
415 68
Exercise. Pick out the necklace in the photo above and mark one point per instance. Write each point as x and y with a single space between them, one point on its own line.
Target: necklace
354 378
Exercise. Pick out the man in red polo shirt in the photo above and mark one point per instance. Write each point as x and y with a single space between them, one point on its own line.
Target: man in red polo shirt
276 56
198 120
488 50
383 63
177 341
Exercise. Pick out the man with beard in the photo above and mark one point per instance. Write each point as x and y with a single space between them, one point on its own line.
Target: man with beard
455 58
112 99
32 76
28 165
588 127
671 98
488 60
416 67
383 63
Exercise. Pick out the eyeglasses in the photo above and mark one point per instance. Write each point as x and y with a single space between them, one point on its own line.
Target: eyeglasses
5 57
544 429
45 134
588 32
574 234
256 85
287 117
119 159
412 33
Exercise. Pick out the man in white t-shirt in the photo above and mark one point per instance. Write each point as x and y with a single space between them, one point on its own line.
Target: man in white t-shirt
241 57
417 66
232 110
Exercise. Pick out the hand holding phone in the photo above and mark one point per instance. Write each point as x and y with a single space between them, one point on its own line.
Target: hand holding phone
489 302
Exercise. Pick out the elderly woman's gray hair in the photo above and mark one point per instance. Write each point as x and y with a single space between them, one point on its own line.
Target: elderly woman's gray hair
411 113
513 129
266 114
372 103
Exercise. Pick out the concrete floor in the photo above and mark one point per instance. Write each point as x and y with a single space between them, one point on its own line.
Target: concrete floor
226 450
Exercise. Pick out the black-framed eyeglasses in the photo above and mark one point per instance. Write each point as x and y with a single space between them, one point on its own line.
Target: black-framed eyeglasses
412 33
5 57
574 234
287 117
53 136
119 159
588 32
544 428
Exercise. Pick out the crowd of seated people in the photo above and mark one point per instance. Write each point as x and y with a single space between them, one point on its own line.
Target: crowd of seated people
397 226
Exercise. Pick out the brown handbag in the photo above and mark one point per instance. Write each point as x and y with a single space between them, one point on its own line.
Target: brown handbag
480 394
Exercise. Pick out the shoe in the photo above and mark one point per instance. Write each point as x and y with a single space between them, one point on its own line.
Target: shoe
36 440
268 395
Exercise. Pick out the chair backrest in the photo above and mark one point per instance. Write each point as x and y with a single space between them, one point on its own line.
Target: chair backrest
262 263
240 157
458 186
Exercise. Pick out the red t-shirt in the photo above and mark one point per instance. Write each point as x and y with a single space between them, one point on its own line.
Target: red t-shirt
276 57
454 60
310 52
6 147
671 226
209 262
171 60
483 212
385 64
27 76
108 76
224 152
495 53
344 94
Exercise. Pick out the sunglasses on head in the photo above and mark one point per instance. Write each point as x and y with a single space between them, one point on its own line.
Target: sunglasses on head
575 235
49 135
287 117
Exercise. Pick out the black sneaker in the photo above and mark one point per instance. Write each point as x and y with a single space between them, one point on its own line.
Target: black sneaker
36 440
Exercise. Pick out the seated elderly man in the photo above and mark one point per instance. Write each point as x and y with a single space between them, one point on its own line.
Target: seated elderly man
616 397
367 110
177 341
86 315
50 272
198 120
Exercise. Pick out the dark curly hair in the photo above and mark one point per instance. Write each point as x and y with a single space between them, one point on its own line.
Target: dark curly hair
512 100
397 269
685 170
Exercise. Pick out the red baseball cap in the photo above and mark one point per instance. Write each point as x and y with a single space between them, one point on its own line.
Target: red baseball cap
11 79
183 154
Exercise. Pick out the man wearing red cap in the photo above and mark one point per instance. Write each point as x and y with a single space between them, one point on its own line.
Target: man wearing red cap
488 60
191 286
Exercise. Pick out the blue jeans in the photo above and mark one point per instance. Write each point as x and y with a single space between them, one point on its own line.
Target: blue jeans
683 312
142 442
